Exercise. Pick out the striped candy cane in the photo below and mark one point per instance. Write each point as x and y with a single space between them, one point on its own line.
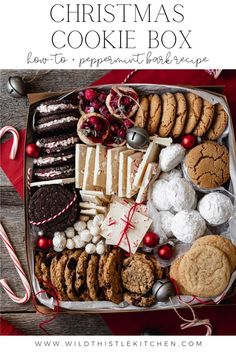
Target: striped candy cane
3 282
15 134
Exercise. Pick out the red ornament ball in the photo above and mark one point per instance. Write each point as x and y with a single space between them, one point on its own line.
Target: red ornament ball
32 150
165 252
44 243
189 141
151 239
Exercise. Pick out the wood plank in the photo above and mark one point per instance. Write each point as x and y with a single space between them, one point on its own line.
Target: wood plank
63 324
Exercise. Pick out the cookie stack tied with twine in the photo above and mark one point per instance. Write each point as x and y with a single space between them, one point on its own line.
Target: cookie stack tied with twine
174 114
206 268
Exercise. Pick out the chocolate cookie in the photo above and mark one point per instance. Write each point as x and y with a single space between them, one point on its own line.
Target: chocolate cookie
194 108
57 143
57 123
92 277
70 270
219 123
168 114
54 172
205 118
181 114
137 275
154 116
55 105
47 202
112 276
142 113
146 300
55 159
207 165
80 275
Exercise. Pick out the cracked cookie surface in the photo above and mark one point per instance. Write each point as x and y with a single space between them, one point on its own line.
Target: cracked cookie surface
194 108
204 271
181 114
168 114
218 124
206 118
154 117
207 165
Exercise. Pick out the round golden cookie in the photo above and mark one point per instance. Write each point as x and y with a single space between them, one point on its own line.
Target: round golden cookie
206 118
218 124
142 113
222 244
205 271
154 117
207 165
168 114
174 274
194 107
181 114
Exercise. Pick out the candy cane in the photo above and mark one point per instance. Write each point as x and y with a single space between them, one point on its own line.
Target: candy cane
3 282
15 134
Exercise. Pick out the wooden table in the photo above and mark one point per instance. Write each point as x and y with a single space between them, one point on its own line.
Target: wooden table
14 112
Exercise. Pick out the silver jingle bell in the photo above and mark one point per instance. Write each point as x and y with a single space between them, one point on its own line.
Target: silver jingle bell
16 87
137 137
163 289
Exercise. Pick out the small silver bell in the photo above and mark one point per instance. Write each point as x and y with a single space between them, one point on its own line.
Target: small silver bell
163 289
16 87
137 137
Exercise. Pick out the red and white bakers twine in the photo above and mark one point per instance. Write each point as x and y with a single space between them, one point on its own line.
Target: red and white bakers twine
129 76
37 223
3 282
10 129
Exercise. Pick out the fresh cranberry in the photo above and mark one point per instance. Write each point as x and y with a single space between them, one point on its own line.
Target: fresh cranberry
90 94
93 120
122 133
96 104
128 123
102 96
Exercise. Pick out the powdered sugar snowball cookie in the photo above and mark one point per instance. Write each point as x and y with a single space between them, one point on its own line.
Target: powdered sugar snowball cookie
96 239
168 176
70 232
166 218
80 226
171 156
216 208
100 248
98 219
78 242
70 245
160 195
89 224
59 241
95 230
182 195
86 236
187 226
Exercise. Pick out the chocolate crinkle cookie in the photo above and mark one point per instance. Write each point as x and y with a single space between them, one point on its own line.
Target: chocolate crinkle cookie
48 201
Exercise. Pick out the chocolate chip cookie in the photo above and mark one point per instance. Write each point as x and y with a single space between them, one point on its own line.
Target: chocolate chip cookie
80 277
92 277
37 266
70 270
207 165
58 275
45 268
138 300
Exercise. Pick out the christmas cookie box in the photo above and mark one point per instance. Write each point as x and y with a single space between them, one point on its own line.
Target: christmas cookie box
129 197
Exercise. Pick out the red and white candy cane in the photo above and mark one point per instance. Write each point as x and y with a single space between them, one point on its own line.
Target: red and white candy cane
3 282
9 128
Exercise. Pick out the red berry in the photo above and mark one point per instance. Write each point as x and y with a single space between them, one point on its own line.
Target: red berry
151 239
89 110
102 96
122 133
189 141
90 94
32 150
93 120
104 111
98 126
126 101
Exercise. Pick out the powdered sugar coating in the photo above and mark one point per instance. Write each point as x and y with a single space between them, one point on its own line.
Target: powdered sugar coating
182 195
168 176
166 218
187 226
171 156
216 208
160 195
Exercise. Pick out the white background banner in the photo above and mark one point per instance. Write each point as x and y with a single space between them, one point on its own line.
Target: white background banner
71 34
